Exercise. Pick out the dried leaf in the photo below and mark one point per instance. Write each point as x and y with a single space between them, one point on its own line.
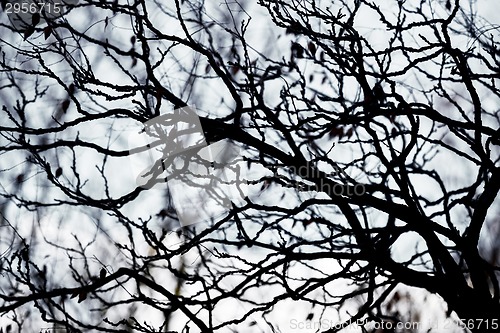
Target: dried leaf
29 32
20 178
235 69
312 48
132 40
72 89
158 96
265 185
349 132
297 50
336 131
65 105
378 93
293 28
82 296
162 213
35 19
47 31
59 172
102 273
306 223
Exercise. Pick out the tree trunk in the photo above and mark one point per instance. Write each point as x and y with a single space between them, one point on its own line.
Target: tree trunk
478 314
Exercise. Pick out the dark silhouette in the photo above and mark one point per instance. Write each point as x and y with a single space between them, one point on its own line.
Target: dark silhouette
369 148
